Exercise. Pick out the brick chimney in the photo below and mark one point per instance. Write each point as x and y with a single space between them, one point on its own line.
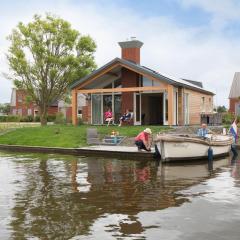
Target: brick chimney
131 50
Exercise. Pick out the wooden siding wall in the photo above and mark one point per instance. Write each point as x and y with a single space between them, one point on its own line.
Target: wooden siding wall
87 113
195 105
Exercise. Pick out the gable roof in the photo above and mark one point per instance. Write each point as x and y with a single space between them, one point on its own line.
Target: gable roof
197 83
235 88
145 70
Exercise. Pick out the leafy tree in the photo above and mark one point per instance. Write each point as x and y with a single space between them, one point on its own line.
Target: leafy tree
45 56
5 108
221 109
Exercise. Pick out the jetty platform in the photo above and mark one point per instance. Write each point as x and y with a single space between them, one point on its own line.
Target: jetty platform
122 152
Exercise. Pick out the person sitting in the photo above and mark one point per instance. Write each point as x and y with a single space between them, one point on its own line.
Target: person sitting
142 140
108 116
203 131
125 117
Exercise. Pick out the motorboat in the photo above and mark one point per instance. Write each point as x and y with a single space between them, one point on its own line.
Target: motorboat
173 147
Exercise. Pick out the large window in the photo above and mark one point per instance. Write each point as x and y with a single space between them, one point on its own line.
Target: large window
96 109
145 82
107 104
101 103
202 104
166 108
186 108
210 105
29 111
117 107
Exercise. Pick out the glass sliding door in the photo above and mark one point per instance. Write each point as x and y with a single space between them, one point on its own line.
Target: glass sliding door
137 109
96 109
117 108
186 108
175 104
165 108
107 104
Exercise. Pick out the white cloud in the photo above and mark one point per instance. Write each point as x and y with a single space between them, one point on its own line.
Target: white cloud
222 11
225 8
194 53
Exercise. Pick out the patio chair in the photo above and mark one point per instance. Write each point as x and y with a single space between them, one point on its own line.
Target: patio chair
92 136
128 121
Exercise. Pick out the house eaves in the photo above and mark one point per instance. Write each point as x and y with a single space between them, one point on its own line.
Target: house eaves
144 70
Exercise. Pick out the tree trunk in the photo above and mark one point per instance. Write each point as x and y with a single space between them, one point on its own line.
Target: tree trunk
43 116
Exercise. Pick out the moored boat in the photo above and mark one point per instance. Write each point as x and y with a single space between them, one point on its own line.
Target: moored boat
183 147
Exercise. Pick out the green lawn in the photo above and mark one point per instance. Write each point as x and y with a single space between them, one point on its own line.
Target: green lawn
65 136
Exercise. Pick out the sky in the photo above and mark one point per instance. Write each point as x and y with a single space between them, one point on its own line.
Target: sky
192 39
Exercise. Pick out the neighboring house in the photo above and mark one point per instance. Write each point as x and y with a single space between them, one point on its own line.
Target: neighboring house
66 109
20 107
234 95
153 97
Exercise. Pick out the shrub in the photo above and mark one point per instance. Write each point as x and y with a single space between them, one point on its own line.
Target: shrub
227 118
10 118
51 118
80 121
26 119
37 118
60 119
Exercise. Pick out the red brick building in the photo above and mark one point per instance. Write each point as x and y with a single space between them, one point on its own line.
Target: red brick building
152 97
234 95
21 107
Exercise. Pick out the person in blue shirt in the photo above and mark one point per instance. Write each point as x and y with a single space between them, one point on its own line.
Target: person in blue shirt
203 131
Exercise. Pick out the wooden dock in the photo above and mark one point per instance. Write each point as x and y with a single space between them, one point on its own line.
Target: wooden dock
122 152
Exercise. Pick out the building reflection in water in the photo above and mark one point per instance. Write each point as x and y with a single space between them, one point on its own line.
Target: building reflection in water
67 197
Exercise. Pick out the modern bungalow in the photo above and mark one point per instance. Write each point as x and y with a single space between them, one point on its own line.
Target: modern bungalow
152 97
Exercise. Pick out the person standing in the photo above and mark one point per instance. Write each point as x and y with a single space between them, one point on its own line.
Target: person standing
142 140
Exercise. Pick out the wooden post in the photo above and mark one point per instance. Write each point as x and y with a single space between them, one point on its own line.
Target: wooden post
74 107
170 105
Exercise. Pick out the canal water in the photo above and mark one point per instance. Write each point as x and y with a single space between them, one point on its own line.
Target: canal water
68 197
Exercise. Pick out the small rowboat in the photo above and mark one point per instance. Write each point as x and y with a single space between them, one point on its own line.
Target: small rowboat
184 147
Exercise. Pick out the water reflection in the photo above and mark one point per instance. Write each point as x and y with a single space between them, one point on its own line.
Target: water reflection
58 197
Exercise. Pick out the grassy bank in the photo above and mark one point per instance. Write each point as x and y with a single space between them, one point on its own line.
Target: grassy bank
65 136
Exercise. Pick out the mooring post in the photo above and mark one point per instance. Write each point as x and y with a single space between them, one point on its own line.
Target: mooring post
157 154
234 149
210 158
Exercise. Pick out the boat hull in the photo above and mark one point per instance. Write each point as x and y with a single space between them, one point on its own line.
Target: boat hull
177 149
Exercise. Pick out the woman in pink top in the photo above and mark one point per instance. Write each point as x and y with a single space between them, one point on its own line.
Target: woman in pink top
142 140
108 116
